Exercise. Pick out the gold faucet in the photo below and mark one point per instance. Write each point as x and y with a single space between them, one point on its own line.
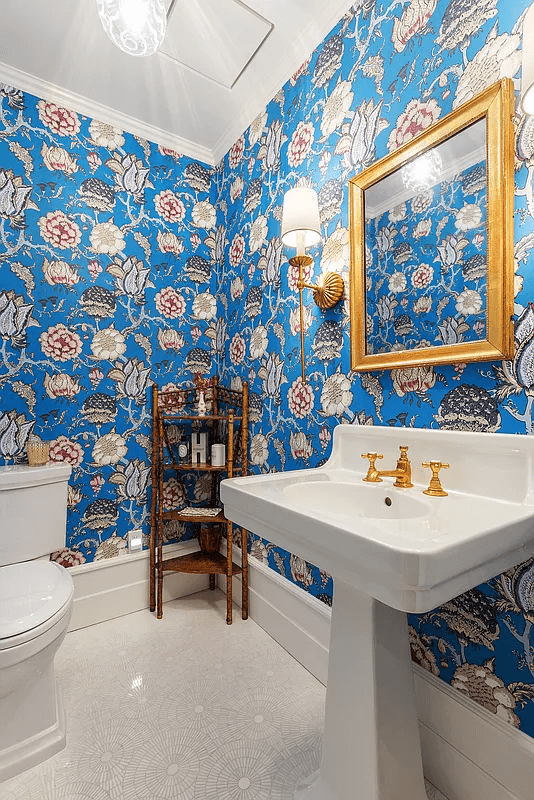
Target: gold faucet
403 471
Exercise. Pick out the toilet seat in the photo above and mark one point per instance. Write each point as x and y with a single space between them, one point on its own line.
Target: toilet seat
34 595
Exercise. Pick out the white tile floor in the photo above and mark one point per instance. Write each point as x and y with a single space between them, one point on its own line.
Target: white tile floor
183 708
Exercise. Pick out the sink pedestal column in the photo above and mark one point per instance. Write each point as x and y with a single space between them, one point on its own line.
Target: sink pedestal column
371 746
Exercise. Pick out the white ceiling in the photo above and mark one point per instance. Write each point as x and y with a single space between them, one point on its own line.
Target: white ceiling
221 62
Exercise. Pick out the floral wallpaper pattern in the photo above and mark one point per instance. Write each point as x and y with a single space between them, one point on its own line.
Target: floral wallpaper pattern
123 264
385 73
106 285
426 267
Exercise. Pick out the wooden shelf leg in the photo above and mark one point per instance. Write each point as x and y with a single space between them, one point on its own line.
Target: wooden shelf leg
229 573
244 575
212 581
160 593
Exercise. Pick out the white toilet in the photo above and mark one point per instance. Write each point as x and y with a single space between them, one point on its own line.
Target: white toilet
35 608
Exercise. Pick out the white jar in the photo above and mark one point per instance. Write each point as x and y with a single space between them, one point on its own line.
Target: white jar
218 455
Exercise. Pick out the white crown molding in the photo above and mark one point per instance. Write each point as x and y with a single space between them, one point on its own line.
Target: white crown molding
90 108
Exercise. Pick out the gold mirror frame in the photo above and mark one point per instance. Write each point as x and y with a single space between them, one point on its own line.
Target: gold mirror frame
496 106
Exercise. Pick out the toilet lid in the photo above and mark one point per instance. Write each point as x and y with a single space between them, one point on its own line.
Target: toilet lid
31 593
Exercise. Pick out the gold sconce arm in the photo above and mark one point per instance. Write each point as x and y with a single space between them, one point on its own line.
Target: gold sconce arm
325 294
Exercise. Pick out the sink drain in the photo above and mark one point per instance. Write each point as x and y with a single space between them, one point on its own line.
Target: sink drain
388 501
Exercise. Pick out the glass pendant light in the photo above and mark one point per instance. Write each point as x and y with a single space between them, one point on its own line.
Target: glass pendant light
136 26
423 172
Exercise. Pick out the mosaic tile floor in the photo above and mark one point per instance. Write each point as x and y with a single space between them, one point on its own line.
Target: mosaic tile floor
184 708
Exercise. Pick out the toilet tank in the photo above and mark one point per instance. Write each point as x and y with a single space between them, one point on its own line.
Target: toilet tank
33 511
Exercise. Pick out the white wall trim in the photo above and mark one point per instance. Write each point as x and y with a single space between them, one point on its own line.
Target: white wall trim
117 586
90 108
468 752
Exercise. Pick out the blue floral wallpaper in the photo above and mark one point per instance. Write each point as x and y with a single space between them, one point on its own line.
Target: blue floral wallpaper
426 267
106 284
123 264
383 74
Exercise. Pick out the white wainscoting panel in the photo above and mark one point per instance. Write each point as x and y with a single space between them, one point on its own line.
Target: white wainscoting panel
116 586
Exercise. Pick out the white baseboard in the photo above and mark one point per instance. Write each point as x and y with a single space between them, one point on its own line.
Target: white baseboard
117 586
468 752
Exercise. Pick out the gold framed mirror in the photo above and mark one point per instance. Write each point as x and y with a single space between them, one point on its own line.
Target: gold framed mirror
431 235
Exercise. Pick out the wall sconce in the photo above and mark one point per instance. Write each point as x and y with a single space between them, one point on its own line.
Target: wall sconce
301 228
527 63
135 26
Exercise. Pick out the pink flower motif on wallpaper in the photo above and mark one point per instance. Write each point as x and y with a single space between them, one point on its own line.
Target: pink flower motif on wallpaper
301 70
63 449
59 272
169 207
293 275
237 250
237 349
68 558
416 117
97 482
56 158
413 379
300 143
170 303
422 276
94 269
59 120
95 376
422 228
168 151
300 398
59 231
236 153
170 397
60 343
413 20
94 161
237 287
170 339
61 385
169 243
173 494
196 333
324 437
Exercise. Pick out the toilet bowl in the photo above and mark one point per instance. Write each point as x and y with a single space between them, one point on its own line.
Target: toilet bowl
36 599
35 609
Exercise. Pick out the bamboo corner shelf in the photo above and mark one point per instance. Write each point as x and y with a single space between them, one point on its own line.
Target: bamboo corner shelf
227 419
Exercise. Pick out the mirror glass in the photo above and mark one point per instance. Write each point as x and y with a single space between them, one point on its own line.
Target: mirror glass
431 270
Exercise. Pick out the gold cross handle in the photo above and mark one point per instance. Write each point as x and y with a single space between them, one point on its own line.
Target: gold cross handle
372 473
435 489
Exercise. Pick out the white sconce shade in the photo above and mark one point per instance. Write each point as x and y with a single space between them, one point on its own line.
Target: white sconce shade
527 66
300 218
136 26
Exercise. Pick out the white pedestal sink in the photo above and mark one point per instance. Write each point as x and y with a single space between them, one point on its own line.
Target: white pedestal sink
390 551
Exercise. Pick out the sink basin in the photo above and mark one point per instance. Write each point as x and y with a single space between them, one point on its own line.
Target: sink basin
343 502
420 551
390 550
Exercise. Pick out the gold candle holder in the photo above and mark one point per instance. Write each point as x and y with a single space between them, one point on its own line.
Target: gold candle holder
37 451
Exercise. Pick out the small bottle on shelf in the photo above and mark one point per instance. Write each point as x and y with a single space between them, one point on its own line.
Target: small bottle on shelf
183 453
